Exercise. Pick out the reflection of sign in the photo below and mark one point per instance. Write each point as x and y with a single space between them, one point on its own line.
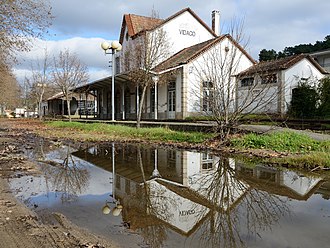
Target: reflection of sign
187 32
186 212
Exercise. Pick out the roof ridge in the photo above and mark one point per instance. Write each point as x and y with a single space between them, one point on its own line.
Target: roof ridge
193 14
187 48
201 47
144 16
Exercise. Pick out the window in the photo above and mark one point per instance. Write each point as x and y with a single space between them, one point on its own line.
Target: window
171 159
171 97
269 79
127 101
86 107
207 161
127 186
127 60
152 99
208 93
247 82
117 65
118 182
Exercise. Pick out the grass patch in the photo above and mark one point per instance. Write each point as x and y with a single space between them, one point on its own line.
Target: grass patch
306 161
282 142
125 132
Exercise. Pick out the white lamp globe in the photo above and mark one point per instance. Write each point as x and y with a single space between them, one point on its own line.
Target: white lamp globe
119 47
105 45
106 209
117 210
115 44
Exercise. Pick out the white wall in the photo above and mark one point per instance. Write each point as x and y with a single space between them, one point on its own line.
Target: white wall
184 31
211 62
292 76
248 102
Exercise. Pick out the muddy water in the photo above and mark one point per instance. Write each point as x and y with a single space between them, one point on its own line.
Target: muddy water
151 197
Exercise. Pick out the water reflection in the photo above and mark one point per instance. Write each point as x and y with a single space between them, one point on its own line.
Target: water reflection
65 176
212 201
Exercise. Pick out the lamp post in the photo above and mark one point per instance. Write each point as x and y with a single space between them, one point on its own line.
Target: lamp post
118 207
112 49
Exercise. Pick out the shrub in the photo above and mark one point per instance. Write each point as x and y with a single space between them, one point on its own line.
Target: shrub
303 102
324 93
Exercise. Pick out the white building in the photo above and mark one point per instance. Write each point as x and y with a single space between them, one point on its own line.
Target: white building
190 41
323 58
270 83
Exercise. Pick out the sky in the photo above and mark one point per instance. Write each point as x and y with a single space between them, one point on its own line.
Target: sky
81 26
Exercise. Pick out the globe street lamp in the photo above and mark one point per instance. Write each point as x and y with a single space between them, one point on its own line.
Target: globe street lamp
112 49
118 207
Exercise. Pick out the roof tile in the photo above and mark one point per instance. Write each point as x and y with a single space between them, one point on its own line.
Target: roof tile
279 64
189 53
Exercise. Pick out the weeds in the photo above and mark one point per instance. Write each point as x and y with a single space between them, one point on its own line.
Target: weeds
119 131
282 142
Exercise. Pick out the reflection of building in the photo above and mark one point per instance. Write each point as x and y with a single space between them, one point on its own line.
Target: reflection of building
324 190
192 185
280 182
179 187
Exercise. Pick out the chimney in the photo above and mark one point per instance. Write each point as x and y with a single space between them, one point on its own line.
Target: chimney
216 22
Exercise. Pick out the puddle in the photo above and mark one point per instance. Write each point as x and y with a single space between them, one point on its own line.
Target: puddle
178 198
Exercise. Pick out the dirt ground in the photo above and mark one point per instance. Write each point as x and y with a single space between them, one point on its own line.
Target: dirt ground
19 226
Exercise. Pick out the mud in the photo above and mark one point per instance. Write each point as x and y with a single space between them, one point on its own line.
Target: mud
19 226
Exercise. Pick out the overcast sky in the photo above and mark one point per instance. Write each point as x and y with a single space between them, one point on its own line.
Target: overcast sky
81 25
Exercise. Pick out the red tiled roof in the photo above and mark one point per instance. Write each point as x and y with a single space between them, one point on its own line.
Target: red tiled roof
279 64
137 24
189 53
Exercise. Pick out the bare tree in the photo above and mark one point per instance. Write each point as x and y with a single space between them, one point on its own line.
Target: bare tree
216 88
21 21
67 177
143 55
68 73
10 90
152 204
40 83
234 205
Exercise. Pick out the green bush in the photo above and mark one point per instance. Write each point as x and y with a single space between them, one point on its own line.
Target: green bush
324 95
303 102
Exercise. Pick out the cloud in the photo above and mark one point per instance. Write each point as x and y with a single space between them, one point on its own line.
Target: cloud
88 50
103 18
278 24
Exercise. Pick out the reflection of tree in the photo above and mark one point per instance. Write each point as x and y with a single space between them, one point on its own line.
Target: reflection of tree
223 191
66 176
147 210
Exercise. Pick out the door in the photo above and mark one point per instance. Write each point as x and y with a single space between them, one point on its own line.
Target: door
171 100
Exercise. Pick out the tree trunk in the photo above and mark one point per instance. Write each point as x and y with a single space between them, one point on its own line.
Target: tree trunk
69 109
39 106
138 120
